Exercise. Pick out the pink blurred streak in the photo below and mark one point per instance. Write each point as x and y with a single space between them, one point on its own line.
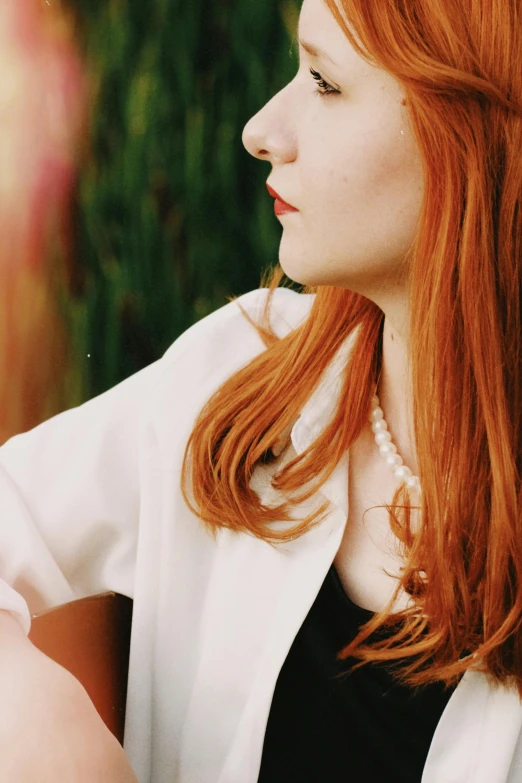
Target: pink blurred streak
42 103
42 116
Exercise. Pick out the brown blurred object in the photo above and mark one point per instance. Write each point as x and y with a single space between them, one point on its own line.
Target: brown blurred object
90 638
42 117
33 352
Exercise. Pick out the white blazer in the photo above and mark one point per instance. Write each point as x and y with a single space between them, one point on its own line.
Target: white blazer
90 501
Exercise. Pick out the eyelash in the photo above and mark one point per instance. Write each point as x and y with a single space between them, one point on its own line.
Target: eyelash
325 88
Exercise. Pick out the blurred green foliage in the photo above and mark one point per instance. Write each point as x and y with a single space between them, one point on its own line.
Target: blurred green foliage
172 213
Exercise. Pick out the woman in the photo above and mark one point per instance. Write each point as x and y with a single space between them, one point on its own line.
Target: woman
270 535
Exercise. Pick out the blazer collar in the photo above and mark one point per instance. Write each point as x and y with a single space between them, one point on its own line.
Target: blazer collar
320 408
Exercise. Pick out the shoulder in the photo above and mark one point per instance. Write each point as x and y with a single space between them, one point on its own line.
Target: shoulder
203 357
227 328
289 308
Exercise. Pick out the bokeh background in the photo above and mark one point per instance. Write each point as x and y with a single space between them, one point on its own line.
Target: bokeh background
129 208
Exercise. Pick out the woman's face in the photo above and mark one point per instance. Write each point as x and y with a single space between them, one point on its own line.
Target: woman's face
347 161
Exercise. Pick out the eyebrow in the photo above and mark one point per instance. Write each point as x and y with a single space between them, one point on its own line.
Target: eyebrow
315 51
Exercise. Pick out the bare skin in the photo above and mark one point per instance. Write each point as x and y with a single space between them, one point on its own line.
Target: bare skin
368 544
50 731
349 163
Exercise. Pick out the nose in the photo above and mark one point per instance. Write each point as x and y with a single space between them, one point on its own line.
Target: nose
270 134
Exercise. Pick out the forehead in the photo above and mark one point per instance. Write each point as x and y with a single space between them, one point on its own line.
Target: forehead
318 27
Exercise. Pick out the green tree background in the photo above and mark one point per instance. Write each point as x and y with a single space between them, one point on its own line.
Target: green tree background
171 212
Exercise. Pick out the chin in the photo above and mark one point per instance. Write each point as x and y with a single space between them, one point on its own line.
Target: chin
303 275
298 270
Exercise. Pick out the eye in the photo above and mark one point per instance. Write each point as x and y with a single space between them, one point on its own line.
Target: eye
324 88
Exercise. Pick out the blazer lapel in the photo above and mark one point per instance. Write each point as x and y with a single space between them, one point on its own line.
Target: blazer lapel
257 599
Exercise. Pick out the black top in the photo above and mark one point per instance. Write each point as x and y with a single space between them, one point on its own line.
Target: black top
361 728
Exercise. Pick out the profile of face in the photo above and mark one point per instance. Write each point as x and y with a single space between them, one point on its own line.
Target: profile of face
343 154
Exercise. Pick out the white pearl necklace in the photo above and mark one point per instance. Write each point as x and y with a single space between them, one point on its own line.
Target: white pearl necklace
388 449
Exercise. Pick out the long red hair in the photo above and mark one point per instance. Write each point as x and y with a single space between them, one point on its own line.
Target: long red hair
463 565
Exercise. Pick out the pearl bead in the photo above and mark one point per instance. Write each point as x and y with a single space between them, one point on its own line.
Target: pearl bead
388 450
394 460
382 437
413 483
379 426
377 413
403 473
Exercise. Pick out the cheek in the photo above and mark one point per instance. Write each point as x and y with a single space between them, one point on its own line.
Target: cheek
361 179
362 207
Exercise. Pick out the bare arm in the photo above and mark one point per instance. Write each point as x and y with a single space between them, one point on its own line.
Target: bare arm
49 729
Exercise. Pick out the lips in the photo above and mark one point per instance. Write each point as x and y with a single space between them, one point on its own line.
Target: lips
279 201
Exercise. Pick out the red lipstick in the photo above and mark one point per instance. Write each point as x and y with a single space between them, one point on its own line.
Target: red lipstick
280 206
